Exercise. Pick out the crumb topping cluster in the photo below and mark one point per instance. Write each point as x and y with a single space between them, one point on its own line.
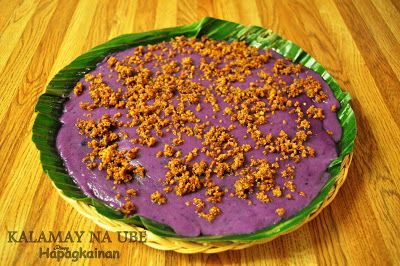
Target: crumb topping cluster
159 93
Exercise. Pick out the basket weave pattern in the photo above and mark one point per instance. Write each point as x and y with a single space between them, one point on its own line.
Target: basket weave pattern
182 246
50 107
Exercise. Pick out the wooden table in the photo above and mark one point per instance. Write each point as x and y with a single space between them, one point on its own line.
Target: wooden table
357 41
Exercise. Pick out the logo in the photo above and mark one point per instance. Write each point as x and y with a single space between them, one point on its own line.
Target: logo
62 238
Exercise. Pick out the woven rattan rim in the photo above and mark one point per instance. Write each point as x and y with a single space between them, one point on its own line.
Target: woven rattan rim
182 246
50 107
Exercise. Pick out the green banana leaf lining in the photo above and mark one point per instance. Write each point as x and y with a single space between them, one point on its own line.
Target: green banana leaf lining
50 107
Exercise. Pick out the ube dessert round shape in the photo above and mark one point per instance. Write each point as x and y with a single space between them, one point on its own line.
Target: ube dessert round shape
265 128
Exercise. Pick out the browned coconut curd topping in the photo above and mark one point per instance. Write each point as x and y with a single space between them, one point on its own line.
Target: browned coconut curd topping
168 99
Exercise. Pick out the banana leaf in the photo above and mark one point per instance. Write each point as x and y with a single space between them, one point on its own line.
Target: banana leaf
50 107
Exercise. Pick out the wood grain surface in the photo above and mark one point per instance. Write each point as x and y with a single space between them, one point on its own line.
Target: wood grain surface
356 41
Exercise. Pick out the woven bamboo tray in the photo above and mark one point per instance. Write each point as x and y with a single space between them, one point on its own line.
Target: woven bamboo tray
188 247
50 107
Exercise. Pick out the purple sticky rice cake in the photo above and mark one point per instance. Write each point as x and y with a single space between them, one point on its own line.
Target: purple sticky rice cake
237 215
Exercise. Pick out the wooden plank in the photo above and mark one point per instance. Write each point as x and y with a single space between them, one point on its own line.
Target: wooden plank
12 29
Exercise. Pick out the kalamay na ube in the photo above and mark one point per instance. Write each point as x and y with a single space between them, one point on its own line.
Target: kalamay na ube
208 137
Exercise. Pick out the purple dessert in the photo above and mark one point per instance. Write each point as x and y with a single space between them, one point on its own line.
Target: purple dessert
207 137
